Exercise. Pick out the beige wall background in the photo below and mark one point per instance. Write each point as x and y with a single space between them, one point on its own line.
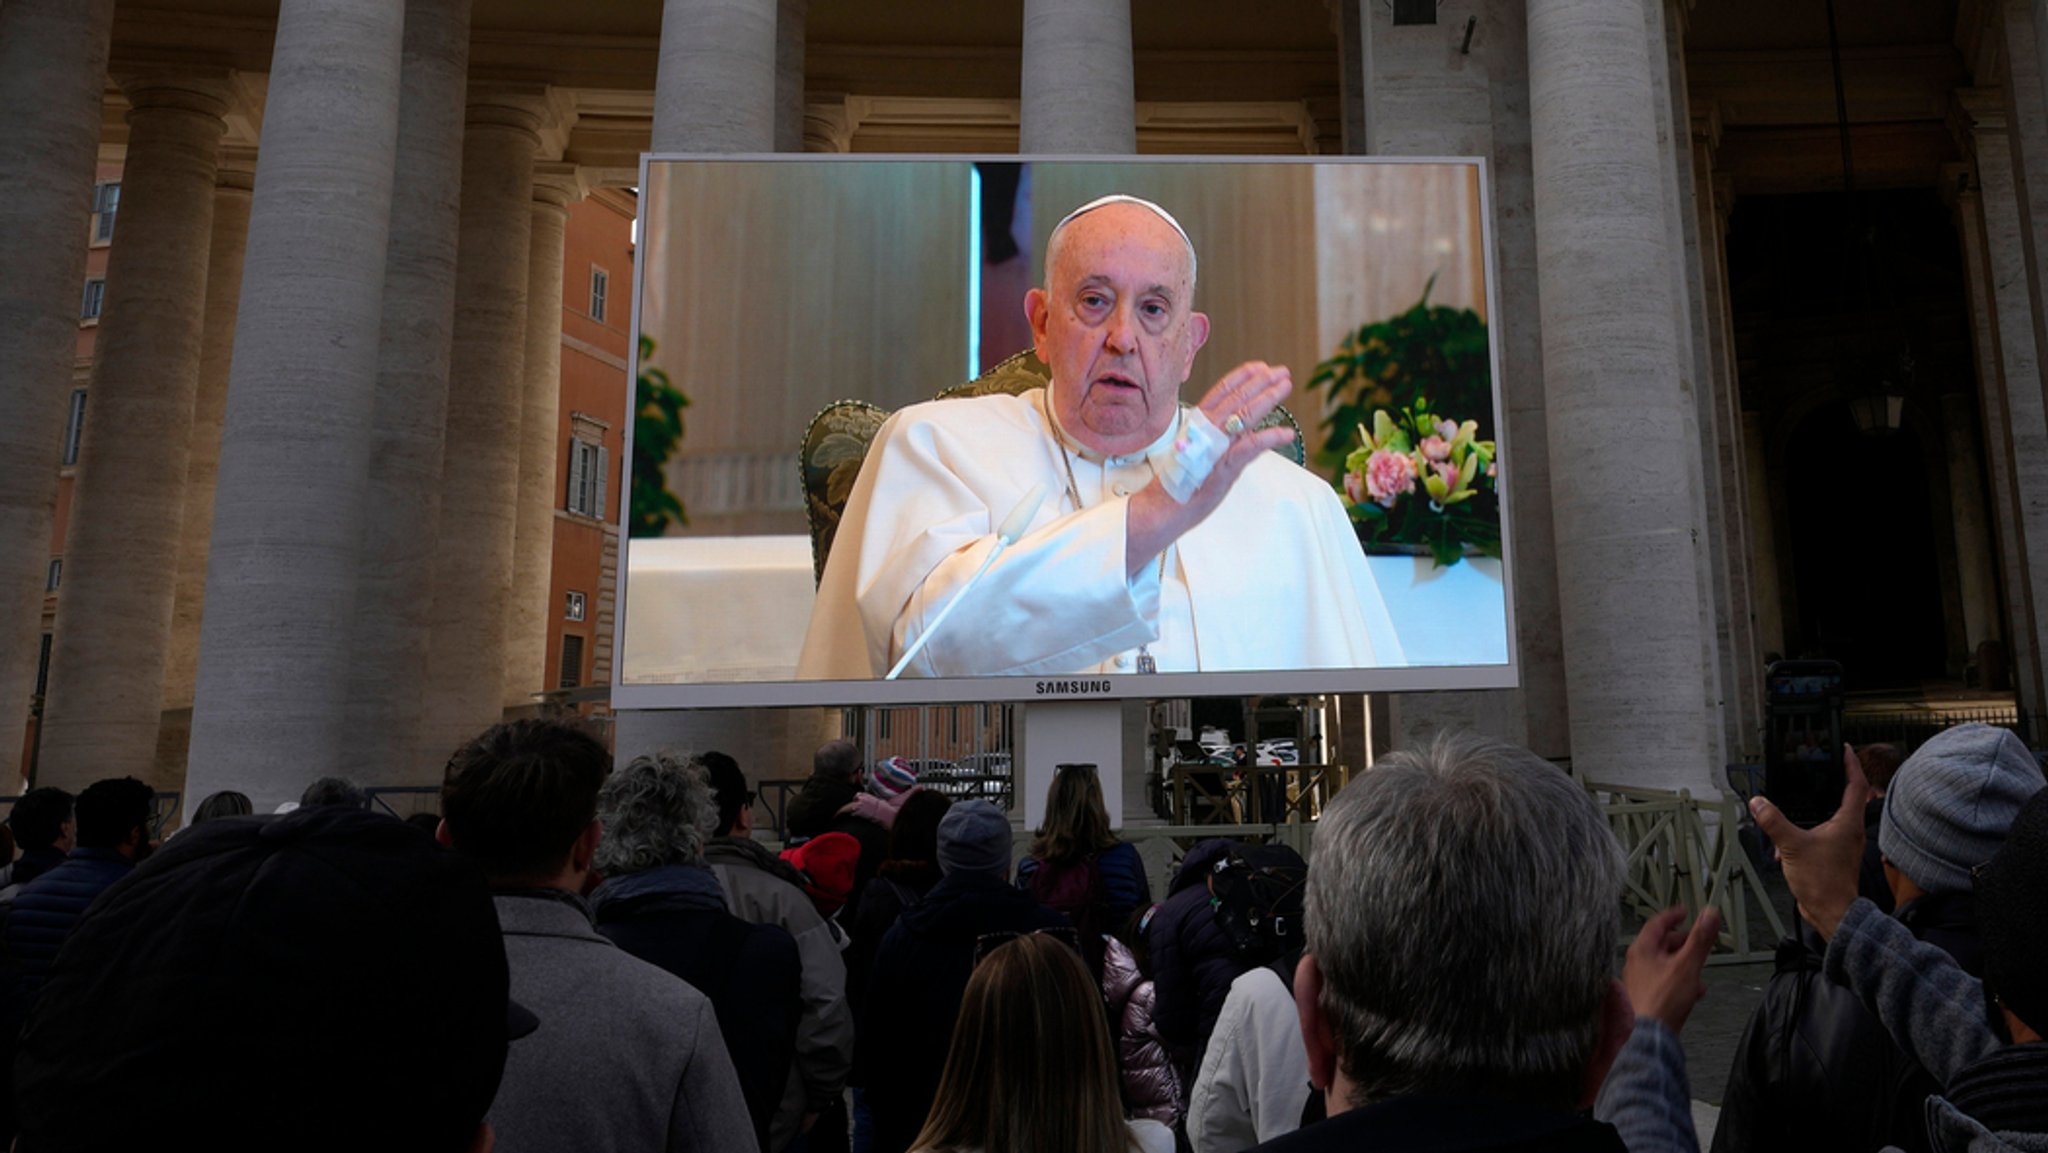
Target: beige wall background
774 289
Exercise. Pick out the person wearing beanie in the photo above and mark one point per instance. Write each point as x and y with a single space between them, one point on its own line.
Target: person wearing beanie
1979 1040
1815 1068
921 968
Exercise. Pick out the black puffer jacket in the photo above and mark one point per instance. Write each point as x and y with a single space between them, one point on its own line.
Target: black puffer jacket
1816 1071
46 908
1193 963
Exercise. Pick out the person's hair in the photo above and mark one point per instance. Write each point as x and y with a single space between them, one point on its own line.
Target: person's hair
915 835
517 797
38 817
1076 823
338 791
1509 863
109 810
1031 1068
728 784
836 760
656 811
1880 763
1057 242
226 803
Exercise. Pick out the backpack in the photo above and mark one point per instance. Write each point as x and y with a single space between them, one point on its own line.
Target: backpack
1075 890
1256 891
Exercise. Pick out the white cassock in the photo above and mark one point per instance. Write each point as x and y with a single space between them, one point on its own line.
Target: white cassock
1272 579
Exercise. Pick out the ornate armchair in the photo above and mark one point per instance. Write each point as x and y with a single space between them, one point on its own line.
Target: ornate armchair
837 440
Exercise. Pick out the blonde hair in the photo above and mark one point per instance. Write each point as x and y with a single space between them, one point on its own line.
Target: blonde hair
1076 822
1031 1069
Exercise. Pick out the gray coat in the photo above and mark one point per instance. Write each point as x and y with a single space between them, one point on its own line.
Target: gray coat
757 890
1933 1010
627 1056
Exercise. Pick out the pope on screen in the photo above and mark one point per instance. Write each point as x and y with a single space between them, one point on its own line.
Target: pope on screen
1174 539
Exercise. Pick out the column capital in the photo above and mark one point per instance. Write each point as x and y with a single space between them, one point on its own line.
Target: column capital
1977 111
521 107
1706 123
206 91
828 126
1955 181
236 169
557 185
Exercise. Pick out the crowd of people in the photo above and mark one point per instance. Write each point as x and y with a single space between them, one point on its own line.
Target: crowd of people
573 956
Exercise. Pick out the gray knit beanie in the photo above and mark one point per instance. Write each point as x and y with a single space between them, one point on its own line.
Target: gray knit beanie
974 837
1951 803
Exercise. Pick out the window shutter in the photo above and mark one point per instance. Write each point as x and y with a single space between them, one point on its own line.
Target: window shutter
575 490
572 661
601 508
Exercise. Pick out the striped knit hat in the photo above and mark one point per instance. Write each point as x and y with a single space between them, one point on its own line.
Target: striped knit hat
891 778
1951 803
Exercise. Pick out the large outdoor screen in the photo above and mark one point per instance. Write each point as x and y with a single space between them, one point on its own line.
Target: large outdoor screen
882 452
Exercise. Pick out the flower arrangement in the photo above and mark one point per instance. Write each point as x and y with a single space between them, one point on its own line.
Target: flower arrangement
1417 479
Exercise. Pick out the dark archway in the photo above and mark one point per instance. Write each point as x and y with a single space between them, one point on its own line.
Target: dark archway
1863 547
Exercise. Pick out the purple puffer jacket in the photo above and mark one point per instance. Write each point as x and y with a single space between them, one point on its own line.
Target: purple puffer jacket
1151 1086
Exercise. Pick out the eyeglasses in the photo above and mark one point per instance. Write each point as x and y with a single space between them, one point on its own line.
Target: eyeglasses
989 942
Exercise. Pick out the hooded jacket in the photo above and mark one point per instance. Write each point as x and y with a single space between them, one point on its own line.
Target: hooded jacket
674 917
762 889
1193 962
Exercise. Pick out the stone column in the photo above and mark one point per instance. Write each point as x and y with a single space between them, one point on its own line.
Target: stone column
276 641
53 69
233 181
394 610
1628 575
486 387
2005 249
106 687
532 608
1763 541
1974 550
2014 601
1077 93
791 16
715 85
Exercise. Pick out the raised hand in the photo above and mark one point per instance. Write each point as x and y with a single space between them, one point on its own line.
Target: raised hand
1662 972
1821 863
1244 395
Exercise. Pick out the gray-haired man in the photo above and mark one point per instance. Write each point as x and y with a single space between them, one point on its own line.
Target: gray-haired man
1456 992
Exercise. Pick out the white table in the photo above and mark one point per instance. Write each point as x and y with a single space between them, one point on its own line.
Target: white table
1445 616
716 608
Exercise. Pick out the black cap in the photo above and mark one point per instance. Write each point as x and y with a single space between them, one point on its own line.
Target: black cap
2012 915
327 979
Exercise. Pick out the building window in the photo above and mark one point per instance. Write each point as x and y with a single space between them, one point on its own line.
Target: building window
572 661
589 465
600 288
573 611
95 295
56 575
106 200
43 667
74 428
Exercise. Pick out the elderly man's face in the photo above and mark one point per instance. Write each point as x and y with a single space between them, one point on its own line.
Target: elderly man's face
1116 325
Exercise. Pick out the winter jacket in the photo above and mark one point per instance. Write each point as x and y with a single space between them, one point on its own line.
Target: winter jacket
1646 1096
1815 1070
1193 962
762 889
47 907
627 1057
1992 1094
1254 1077
675 917
814 811
1425 1124
913 996
1151 1088
1124 888
896 887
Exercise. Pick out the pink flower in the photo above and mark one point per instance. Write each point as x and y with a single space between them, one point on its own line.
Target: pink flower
1354 487
1448 429
1388 475
1449 473
1436 448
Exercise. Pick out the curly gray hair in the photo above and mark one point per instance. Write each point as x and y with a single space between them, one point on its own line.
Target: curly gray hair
656 811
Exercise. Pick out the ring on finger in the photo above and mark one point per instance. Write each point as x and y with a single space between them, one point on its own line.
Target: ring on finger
1235 425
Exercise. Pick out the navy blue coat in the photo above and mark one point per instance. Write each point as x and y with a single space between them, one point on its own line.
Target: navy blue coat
1193 962
46 908
914 992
